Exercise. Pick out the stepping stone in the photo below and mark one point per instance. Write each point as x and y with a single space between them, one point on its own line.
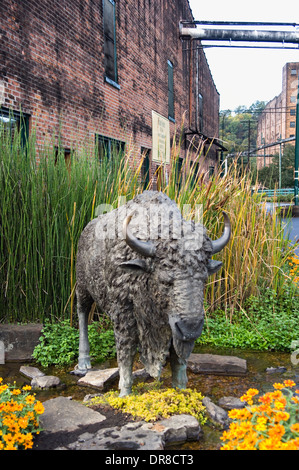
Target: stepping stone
31 372
45 382
217 365
231 403
179 428
141 435
99 378
63 414
217 414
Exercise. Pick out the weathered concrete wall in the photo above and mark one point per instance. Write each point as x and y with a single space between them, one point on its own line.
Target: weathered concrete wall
19 341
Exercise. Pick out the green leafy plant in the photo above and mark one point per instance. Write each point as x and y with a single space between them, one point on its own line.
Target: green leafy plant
267 322
59 344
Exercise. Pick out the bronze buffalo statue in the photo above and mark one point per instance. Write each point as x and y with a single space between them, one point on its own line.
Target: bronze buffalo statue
146 267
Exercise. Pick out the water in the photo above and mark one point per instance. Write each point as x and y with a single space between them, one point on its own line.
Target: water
213 386
291 224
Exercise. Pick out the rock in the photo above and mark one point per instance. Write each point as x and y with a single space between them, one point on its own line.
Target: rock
276 370
63 414
132 436
31 372
217 365
45 381
180 428
231 403
141 374
141 435
19 340
99 378
217 414
2 352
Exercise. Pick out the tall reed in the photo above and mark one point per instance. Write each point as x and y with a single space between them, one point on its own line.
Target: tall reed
43 209
257 254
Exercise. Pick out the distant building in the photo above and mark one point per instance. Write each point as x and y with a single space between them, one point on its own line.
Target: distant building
278 120
106 73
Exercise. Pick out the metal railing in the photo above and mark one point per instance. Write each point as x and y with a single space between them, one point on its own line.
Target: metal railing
275 192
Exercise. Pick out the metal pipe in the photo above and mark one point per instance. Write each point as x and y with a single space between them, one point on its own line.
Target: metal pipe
238 23
206 34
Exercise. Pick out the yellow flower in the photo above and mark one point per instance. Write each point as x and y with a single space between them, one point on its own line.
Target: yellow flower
278 386
23 422
16 391
26 387
30 399
39 408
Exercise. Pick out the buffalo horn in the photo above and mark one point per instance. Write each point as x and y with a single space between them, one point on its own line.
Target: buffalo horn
218 245
143 248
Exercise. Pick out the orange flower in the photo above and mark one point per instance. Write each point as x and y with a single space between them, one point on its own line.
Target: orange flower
295 427
289 383
39 408
277 431
278 386
281 416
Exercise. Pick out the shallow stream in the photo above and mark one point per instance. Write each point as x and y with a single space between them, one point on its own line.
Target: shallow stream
210 385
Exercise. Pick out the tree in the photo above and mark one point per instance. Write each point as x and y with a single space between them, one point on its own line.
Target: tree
234 127
269 175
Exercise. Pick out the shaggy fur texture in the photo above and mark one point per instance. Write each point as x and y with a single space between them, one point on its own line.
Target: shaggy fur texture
156 305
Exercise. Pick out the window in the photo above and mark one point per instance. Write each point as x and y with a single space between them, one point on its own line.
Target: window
200 112
293 99
170 92
293 112
109 148
12 121
110 61
145 169
64 153
292 124
293 72
211 171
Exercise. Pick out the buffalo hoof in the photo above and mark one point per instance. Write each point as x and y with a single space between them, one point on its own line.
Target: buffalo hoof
83 364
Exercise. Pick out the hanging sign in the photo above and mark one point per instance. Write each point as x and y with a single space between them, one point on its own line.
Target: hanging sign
161 139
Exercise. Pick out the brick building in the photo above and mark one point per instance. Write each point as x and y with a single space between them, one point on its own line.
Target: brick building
278 120
105 72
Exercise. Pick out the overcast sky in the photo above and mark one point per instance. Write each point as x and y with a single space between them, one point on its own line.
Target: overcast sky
243 76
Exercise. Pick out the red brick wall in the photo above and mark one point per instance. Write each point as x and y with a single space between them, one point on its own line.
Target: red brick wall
52 67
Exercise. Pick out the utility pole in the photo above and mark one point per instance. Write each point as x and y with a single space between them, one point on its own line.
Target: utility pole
297 154
248 142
